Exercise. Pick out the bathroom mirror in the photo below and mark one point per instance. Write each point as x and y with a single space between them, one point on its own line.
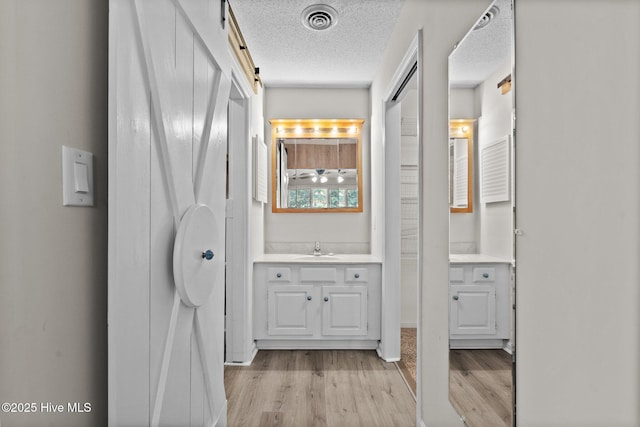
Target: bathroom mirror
482 277
316 165
461 165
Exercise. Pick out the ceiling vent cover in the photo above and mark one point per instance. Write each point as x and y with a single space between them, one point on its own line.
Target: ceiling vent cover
319 17
488 17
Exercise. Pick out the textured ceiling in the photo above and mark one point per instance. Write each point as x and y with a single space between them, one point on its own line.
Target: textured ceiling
483 50
349 54
289 54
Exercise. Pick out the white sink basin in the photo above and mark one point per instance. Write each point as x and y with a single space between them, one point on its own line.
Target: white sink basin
317 257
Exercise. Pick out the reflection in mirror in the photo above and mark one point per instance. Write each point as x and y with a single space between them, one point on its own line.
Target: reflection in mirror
461 165
316 165
481 288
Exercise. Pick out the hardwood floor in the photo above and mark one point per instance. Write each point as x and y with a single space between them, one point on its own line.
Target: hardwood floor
316 388
481 386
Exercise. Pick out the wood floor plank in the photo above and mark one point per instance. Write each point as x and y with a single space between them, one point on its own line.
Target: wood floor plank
489 383
332 388
271 419
481 386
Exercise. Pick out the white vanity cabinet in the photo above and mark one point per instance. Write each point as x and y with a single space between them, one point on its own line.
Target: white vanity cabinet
479 303
316 305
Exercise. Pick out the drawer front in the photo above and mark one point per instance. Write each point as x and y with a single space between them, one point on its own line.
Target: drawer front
279 274
356 275
308 274
484 274
456 274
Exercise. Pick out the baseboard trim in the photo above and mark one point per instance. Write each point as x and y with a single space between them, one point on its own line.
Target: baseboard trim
246 363
316 345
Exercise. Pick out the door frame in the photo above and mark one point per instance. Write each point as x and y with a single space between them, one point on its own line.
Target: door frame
240 348
390 344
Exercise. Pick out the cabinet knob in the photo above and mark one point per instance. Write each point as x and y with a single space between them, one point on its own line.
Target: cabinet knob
208 255
278 275
455 297
485 275
308 297
357 275
326 299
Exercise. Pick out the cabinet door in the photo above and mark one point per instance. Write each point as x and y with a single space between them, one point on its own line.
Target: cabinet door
344 310
290 309
473 310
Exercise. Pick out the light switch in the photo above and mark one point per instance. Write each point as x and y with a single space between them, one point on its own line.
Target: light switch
81 176
77 177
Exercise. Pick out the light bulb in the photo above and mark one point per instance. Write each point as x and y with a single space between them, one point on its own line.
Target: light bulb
323 179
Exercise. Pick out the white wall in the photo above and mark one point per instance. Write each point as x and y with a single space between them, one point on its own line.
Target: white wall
337 232
257 209
53 259
578 187
256 219
444 23
495 219
489 226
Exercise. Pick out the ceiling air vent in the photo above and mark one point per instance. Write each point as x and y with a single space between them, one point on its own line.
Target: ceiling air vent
488 17
319 17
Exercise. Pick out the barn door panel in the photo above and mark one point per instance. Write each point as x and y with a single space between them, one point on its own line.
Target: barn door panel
168 115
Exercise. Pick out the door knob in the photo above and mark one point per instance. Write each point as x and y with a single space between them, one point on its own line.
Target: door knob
455 297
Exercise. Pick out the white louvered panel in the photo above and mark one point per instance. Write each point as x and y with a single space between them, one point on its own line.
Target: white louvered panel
409 126
408 182
260 168
409 211
409 246
460 173
409 214
460 180
494 170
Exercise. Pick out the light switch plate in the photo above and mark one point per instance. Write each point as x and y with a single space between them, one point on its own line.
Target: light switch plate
77 177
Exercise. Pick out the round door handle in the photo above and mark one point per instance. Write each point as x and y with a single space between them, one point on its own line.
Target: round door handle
455 297
308 297
357 275
326 299
278 275
485 275
208 255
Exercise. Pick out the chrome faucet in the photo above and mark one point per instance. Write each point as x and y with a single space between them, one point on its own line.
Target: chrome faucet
316 250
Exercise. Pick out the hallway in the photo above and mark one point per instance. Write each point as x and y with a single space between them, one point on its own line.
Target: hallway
332 388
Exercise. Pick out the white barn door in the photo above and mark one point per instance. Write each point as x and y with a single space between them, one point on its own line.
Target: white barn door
169 83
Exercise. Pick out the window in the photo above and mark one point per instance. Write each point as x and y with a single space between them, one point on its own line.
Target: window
323 197
352 197
319 199
337 198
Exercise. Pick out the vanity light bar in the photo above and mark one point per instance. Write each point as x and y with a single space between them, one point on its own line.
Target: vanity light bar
329 127
299 130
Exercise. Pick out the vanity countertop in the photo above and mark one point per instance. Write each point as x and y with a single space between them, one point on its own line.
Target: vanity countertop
324 259
477 259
